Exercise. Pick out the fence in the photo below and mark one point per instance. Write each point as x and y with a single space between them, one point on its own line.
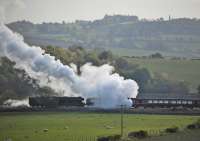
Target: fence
80 138
155 132
151 132
67 138
93 138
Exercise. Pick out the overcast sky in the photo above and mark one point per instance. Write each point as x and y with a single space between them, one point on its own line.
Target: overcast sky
70 10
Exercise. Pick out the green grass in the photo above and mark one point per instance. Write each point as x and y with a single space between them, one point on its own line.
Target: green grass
173 49
177 70
29 126
130 52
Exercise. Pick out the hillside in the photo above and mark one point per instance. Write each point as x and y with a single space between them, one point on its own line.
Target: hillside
175 70
127 34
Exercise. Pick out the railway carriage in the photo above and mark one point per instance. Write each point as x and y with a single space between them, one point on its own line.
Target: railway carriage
166 100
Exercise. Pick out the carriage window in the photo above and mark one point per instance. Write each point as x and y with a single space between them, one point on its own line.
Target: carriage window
166 101
160 101
189 102
155 101
173 102
184 102
150 101
179 102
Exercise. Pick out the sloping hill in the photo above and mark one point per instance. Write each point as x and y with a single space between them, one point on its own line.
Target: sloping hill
175 70
177 37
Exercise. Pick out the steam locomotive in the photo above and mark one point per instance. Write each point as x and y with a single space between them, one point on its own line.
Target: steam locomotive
53 102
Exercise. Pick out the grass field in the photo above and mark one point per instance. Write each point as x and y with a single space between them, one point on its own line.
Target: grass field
178 70
146 52
73 126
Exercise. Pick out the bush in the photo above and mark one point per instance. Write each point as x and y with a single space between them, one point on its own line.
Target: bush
114 137
110 138
103 139
198 124
191 126
195 125
171 129
157 55
138 134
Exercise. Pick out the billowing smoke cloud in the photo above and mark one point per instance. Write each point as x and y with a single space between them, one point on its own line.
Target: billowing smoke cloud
108 88
16 103
42 67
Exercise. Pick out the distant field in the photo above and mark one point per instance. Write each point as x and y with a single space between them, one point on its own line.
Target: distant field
73 126
130 52
179 70
146 52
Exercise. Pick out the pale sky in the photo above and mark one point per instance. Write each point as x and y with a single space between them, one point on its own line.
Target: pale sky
39 11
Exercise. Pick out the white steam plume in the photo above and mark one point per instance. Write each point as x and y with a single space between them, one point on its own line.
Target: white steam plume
101 83
43 67
108 88
16 103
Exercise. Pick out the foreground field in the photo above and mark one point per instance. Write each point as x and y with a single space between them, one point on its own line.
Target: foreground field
80 126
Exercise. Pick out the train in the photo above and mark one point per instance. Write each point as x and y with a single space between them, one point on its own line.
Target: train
53 102
151 100
166 100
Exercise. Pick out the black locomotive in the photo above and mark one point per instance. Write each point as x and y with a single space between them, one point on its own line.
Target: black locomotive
54 102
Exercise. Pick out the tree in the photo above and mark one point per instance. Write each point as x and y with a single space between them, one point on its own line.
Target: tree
198 89
121 63
157 55
14 83
142 76
105 55
92 58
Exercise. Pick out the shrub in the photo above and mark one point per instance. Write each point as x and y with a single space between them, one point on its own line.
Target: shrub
114 137
110 138
198 123
191 126
45 130
103 139
195 125
138 134
171 129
